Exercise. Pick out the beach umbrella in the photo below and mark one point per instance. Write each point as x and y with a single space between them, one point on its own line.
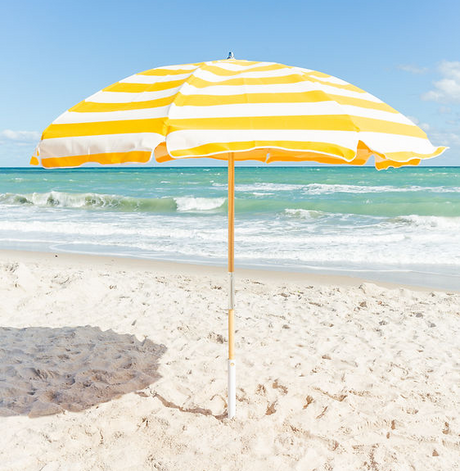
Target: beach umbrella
232 110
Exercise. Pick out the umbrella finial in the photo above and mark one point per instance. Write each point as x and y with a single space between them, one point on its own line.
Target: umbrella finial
230 55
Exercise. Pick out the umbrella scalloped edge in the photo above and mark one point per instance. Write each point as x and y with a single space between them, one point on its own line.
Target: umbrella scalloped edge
269 154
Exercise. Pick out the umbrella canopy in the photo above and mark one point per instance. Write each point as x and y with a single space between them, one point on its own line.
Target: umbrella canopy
258 110
232 110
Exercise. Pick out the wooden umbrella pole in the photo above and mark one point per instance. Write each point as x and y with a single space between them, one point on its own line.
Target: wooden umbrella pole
231 292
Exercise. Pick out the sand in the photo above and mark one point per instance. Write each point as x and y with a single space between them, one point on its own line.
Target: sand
116 364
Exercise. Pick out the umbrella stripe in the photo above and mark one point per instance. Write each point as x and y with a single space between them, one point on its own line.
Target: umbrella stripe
329 80
311 96
221 147
75 146
112 158
278 110
224 72
119 97
198 82
161 72
188 88
180 140
155 125
142 87
316 73
292 77
211 77
158 125
205 74
332 150
322 77
73 117
177 149
145 156
384 163
324 122
282 155
187 68
149 79
235 64
189 139
94 107
404 156
234 110
212 100
105 143
389 143
228 111
284 76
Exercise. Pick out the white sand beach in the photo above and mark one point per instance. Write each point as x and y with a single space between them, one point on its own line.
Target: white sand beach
118 364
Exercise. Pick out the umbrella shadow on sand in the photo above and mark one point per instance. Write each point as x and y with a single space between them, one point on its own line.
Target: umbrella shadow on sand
45 370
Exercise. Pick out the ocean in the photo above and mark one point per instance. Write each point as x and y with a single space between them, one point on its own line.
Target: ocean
399 225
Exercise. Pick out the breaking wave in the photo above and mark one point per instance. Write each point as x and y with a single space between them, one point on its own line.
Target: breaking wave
95 201
428 221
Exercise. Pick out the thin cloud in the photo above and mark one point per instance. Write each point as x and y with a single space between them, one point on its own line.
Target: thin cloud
413 69
8 136
444 110
22 137
446 90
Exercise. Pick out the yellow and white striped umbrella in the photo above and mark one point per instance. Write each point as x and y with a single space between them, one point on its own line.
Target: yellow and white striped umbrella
232 110
257 110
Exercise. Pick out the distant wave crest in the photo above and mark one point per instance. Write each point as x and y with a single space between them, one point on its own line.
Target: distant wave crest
95 201
429 221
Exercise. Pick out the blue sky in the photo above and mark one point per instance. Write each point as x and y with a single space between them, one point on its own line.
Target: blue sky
56 53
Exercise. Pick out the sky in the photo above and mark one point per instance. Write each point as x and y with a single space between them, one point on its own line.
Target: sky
56 53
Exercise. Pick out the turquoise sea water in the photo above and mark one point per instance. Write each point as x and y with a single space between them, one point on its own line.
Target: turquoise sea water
397 225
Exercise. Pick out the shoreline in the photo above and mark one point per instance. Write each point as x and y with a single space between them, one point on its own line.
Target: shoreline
183 268
398 230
